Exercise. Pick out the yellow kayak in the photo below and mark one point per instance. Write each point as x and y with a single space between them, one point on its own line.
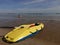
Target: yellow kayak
22 32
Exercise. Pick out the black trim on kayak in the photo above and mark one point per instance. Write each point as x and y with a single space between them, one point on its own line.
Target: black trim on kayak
3 38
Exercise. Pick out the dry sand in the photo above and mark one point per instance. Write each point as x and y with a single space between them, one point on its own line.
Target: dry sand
50 35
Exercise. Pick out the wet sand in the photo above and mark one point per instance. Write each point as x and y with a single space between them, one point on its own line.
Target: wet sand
50 35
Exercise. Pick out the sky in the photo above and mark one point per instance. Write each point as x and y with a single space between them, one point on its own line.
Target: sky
30 6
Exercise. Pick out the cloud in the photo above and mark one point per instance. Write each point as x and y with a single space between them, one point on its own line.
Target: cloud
34 1
55 9
32 10
37 6
7 11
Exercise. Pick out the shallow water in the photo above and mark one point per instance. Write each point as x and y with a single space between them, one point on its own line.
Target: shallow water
14 19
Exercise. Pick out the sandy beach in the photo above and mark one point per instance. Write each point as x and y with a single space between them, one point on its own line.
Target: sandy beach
50 35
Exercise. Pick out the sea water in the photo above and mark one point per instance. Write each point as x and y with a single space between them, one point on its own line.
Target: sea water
14 19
